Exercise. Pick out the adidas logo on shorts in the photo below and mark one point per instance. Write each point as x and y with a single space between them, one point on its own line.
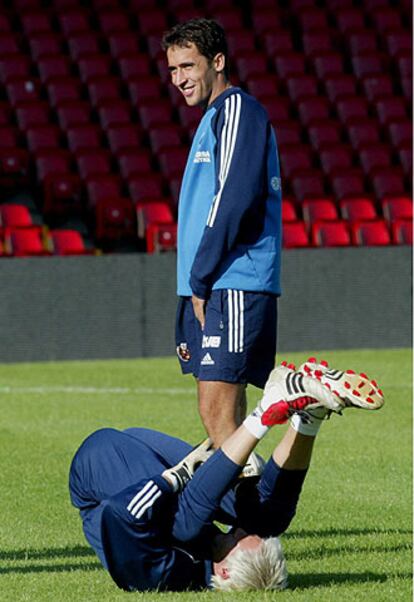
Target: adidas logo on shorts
207 360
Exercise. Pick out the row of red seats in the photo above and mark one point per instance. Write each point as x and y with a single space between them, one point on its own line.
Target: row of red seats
340 233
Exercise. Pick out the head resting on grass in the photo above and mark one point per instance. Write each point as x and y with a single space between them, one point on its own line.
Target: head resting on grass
253 563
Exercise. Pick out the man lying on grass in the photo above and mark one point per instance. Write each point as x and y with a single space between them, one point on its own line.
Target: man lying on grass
148 503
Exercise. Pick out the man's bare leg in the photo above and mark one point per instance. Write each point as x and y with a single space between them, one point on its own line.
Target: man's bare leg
222 408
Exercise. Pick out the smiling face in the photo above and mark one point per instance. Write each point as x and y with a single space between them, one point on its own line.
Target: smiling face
198 79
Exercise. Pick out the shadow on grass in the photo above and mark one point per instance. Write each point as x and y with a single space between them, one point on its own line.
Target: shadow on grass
47 553
346 532
51 568
305 581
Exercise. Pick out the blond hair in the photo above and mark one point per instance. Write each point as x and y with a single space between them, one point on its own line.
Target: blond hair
261 569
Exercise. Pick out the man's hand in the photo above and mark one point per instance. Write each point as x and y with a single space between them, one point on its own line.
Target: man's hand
199 306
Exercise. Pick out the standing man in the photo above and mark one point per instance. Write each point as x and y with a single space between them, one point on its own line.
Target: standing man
229 232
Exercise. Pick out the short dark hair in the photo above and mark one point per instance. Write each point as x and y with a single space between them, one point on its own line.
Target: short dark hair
206 34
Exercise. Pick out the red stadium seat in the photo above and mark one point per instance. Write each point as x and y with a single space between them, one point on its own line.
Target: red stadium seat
152 21
73 21
397 208
14 65
144 187
49 162
317 41
25 243
134 162
229 18
288 211
33 113
310 18
172 161
142 90
123 137
22 89
349 18
351 107
388 182
103 188
303 86
103 88
374 156
398 41
62 195
9 136
134 65
367 64
14 167
123 43
43 137
277 107
73 113
295 158
324 131
327 64
263 84
385 18
62 90
84 137
348 183
53 65
93 65
338 86
156 212
15 216
357 209
308 185
35 21
288 132
94 162
47 43
240 42
390 109
114 219
405 154
265 19
362 131
295 235
8 44
164 136
369 234
290 64
276 41
113 20
331 234
155 113
315 107
400 132
402 232
377 86
114 113
335 157
250 64
66 242
83 43
359 41
161 237
319 210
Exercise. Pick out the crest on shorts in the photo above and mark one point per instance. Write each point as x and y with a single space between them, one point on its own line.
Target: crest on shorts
183 352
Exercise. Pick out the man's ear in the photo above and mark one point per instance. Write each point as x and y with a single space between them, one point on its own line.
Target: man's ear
219 62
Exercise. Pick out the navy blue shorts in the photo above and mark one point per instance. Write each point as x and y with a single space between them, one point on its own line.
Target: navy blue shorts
238 344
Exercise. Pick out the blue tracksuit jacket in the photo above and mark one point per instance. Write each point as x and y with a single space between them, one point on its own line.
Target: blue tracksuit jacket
229 216
149 537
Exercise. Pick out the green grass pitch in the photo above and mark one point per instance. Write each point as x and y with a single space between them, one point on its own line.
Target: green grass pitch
351 538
